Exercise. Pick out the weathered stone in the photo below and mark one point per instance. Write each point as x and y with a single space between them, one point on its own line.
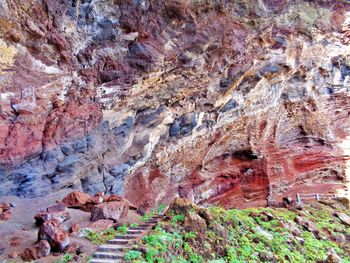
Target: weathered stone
76 199
13 255
42 217
15 241
333 258
53 232
56 208
39 250
75 228
345 219
179 206
111 210
171 107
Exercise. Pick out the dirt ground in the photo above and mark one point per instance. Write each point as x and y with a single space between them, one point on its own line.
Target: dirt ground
22 225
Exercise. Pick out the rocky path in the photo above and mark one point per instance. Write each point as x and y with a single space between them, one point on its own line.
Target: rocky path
114 250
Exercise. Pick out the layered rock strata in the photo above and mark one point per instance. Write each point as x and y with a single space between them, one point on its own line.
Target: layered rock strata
237 103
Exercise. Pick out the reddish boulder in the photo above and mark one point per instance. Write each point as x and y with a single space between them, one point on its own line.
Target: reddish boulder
4 216
111 210
12 255
53 232
56 208
75 228
76 199
39 250
5 213
101 224
15 241
42 217
114 197
345 219
94 200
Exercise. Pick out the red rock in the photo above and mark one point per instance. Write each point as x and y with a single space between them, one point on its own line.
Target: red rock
42 217
4 216
101 224
39 250
15 241
56 208
75 228
345 219
112 198
119 198
95 200
5 206
76 199
13 255
111 210
53 232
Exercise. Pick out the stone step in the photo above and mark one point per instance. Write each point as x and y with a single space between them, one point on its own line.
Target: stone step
134 232
147 225
104 260
126 236
108 255
151 222
118 242
158 216
111 248
138 228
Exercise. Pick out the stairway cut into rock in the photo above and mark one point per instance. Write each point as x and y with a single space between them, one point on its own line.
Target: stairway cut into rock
114 250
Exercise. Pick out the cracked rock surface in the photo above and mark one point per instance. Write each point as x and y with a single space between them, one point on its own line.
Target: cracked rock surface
237 103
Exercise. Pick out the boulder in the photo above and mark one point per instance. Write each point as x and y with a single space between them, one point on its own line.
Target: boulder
15 241
4 216
42 217
94 200
13 255
308 225
75 228
53 232
333 257
56 208
345 219
180 206
39 250
75 199
114 197
111 210
5 213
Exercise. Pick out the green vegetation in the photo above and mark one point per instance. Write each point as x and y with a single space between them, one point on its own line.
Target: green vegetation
249 235
155 211
122 229
65 258
99 238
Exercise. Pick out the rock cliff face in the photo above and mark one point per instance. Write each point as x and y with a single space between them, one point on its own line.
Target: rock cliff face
237 103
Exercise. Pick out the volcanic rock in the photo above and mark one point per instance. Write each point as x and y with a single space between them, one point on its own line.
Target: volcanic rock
76 199
74 229
53 232
12 255
42 217
39 250
179 206
345 219
232 103
111 210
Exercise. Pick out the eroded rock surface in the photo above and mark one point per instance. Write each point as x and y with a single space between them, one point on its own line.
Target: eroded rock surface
237 103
